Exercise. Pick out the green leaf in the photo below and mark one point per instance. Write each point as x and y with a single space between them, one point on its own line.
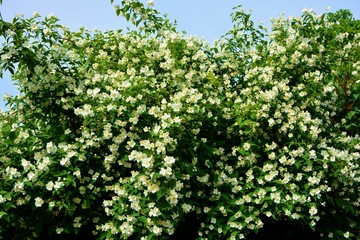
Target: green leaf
159 194
11 70
351 114
8 205
309 162
143 219
5 216
6 129
155 176
28 183
62 137
13 135
118 11
86 203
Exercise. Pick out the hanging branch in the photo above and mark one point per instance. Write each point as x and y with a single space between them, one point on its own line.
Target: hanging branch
0 11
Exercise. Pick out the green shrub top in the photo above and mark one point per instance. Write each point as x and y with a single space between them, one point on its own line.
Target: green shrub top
126 133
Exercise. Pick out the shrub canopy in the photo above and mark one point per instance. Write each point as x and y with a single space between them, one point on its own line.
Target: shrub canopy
123 134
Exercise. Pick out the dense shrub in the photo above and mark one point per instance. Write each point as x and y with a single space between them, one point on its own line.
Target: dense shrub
125 135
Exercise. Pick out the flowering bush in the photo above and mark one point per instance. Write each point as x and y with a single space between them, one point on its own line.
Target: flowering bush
123 135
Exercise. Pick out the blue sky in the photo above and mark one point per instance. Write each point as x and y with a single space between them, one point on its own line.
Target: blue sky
205 18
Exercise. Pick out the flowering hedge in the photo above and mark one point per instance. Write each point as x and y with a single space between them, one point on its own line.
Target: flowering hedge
125 134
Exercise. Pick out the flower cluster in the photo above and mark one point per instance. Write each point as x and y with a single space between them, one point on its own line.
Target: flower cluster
125 134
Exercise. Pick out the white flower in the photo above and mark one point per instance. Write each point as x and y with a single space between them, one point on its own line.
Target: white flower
87 111
203 179
126 228
35 14
173 197
2 199
10 33
12 172
186 207
166 172
146 144
156 230
153 188
19 186
150 3
5 57
47 31
154 212
246 146
169 160
147 162
50 147
26 164
272 156
39 202
313 180
77 173
313 210
49 186
176 106
64 162
59 230
58 185
31 176
271 122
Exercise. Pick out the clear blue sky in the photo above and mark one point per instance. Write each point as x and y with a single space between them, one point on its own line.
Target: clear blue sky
205 18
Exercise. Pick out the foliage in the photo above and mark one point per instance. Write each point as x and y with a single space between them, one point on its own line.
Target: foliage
125 134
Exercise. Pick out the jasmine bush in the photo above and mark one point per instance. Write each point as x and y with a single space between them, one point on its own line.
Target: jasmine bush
123 134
